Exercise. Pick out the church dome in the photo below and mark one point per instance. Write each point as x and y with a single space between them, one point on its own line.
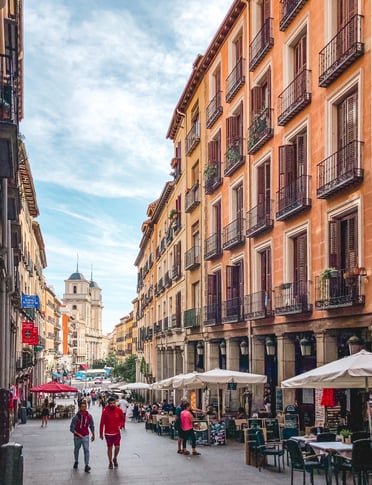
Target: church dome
77 276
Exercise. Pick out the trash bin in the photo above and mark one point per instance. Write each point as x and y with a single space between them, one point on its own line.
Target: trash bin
23 415
11 464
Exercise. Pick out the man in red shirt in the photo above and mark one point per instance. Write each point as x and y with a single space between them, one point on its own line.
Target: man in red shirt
112 421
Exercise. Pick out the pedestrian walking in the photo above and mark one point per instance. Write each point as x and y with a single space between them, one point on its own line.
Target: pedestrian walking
45 413
80 425
178 424
123 405
187 421
112 421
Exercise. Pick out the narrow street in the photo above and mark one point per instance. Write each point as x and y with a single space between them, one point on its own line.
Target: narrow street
145 459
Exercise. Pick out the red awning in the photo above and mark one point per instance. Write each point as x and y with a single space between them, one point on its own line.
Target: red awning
328 398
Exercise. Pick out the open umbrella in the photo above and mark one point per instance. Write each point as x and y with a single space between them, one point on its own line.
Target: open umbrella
353 371
134 386
53 388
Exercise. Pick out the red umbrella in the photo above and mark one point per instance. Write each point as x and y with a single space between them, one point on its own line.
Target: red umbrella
53 388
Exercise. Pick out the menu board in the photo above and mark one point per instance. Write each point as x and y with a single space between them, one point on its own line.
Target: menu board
255 423
279 398
201 432
272 429
319 409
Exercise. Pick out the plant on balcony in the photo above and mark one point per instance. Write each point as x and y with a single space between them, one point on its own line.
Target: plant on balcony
173 214
233 154
328 273
210 172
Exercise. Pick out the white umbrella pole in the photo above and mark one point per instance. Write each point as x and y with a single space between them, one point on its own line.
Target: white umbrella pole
218 403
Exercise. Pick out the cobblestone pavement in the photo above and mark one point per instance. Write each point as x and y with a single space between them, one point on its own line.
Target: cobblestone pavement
145 459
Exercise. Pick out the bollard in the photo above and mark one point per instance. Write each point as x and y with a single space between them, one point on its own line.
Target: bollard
11 464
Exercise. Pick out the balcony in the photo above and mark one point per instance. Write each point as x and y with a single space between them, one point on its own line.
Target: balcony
232 310
235 80
343 289
340 170
258 305
261 44
212 176
260 219
176 272
212 247
345 47
167 279
214 110
192 138
234 157
213 314
191 318
176 321
260 131
233 234
192 258
192 198
289 10
294 98
293 198
165 324
292 298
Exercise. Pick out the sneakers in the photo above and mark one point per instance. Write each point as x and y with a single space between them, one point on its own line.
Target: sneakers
76 464
111 465
115 462
87 468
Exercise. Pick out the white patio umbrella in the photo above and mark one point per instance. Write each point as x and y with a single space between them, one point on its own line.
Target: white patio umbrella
354 371
135 386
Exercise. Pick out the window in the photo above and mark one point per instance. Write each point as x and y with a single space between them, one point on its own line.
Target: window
74 289
261 95
343 241
234 291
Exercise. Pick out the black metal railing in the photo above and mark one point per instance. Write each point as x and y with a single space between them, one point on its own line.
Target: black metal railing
176 271
261 44
234 157
292 297
258 305
295 97
260 218
340 170
260 130
212 314
288 11
344 288
293 198
214 110
232 310
192 198
212 246
341 51
192 257
191 318
233 233
192 137
212 176
8 98
235 80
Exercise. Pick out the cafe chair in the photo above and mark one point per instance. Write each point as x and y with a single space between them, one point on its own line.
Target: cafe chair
264 450
163 425
359 435
318 429
286 434
322 437
300 463
359 465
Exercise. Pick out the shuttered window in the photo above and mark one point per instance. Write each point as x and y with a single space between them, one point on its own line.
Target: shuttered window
300 258
346 10
343 242
347 120
265 277
261 94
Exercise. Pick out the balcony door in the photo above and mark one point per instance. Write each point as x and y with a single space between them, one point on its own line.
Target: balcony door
300 267
263 190
347 128
343 242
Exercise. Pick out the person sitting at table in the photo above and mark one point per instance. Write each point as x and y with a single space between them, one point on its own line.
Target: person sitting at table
241 413
211 412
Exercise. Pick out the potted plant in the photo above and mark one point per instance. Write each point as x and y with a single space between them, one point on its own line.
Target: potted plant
233 154
328 273
210 171
173 214
345 435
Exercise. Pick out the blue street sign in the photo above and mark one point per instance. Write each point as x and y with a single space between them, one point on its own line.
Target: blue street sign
30 301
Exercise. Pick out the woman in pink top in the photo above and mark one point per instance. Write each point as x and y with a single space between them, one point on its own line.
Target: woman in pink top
187 420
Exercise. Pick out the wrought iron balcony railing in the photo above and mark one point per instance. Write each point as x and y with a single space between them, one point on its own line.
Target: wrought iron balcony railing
193 138
233 233
340 170
261 44
345 47
260 218
344 288
214 110
213 314
292 298
192 257
212 176
232 310
192 198
191 318
289 10
293 198
212 246
176 271
235 80
294 98
260 130
234 157
8 99
258 305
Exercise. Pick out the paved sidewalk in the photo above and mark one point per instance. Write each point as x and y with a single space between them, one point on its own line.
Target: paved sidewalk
145 459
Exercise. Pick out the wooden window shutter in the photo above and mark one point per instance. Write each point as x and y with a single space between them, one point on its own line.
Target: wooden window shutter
333 244
178 150
256 100
301 154
212 151
268 87
211 289
266 9
286 164
301 258
229 282
351 243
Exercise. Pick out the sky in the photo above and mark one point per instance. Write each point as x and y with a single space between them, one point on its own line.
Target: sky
101 82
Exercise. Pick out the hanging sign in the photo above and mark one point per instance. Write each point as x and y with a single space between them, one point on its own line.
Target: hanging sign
27 332
30 301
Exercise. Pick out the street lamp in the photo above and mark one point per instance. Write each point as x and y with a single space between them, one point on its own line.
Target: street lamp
270 346
306 347
223 348
200 348
243 347
355 344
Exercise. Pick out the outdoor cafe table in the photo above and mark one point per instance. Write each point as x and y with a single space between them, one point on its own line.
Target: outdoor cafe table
326 448
304 439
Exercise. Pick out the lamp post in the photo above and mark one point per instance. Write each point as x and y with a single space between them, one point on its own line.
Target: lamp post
243 359
306 347
270 346
200 354
223 354
355 344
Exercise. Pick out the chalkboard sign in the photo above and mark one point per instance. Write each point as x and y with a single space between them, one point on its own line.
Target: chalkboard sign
255 423
279 398
201 432
231 386
272 429
291 420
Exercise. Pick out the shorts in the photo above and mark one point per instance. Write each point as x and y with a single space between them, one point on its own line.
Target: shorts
113 439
